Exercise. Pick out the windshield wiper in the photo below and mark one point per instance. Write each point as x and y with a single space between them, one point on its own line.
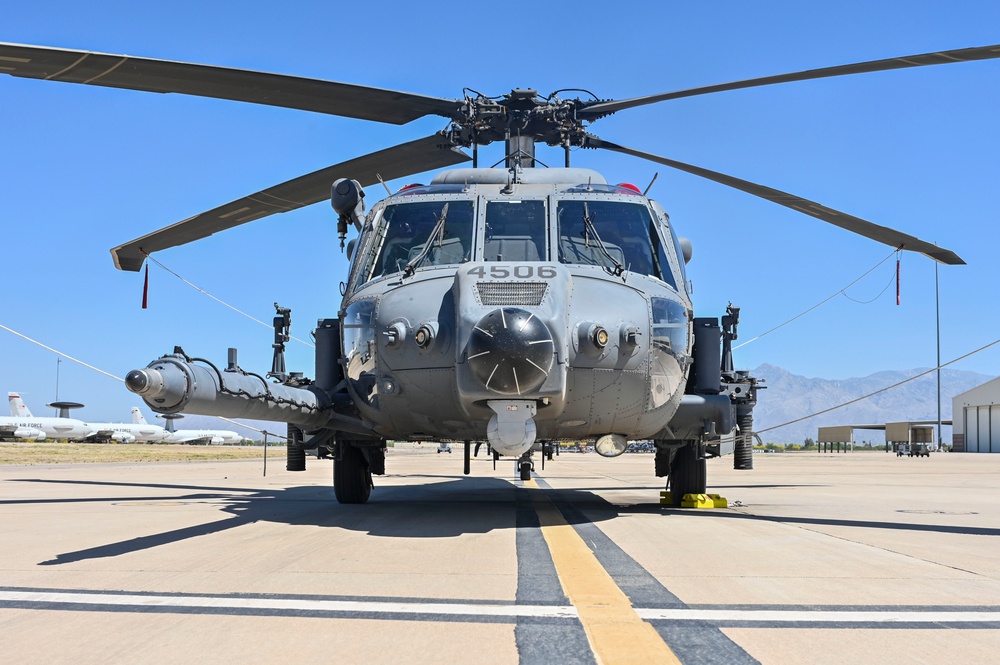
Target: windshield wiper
436 237
590 230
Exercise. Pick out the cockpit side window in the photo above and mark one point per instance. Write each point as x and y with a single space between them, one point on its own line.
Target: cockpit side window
663 270
406 228
361 260
626 231
515 231
679 251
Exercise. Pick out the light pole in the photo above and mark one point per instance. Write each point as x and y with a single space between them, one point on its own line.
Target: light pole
937 313
58 363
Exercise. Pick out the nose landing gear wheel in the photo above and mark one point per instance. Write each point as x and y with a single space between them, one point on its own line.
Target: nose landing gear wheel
352 481
687 473
525 466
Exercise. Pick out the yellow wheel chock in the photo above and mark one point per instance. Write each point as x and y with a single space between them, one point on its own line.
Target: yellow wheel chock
695 500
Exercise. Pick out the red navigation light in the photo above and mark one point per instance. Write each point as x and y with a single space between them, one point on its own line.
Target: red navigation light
629 186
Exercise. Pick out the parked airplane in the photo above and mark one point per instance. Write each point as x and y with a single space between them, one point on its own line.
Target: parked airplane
21 424
193 436
137 431
12 428
17 407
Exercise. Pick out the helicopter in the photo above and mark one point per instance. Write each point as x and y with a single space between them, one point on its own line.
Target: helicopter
519 305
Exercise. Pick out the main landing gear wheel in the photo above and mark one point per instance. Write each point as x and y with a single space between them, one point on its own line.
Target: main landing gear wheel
687 473
352 481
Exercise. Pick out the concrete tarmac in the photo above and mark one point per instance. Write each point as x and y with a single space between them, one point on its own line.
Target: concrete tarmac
822 558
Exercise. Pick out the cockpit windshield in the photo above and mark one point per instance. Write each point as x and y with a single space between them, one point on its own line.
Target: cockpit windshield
515 231
406 228
625 236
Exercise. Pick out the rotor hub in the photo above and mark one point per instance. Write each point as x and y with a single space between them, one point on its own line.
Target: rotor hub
521 112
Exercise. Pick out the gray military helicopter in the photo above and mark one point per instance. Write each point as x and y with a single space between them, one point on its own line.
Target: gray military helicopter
517 305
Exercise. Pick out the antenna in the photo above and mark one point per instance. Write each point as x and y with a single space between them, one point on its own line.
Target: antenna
650 185
387 191
170 418
64 407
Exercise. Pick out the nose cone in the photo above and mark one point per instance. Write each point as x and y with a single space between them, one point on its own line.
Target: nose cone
136 381
511 351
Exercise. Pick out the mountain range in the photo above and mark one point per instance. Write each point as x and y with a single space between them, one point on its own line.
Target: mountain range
789 397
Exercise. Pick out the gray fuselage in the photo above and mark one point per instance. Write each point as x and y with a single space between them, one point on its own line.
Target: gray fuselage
558 293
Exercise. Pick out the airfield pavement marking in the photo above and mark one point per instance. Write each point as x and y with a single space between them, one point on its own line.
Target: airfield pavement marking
764 615
617 634
104 601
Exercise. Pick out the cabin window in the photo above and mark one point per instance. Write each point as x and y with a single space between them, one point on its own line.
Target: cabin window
515 231
407 228
625 235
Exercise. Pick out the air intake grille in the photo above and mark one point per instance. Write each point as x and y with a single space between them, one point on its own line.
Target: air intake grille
503 294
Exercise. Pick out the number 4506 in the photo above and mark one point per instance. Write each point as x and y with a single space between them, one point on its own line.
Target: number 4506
519 272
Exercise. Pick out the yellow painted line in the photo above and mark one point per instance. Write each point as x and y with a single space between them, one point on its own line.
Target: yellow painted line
617 634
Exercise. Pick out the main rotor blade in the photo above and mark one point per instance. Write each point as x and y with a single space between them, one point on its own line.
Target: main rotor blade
151 75
923 60
882 234
424 154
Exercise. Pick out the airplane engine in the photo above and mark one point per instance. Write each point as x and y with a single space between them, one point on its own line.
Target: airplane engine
29 433
122 437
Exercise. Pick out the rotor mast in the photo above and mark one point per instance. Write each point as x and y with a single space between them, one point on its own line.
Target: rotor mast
520 143
520 151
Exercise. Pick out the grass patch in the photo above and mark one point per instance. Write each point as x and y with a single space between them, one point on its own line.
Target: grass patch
74 453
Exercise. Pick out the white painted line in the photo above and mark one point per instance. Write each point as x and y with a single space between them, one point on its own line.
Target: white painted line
790 617
820 616
287 604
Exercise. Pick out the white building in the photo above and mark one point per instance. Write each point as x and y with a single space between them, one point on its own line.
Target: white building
976 416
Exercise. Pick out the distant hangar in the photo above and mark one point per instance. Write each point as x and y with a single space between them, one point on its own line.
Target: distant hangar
977 419
908 432
975 425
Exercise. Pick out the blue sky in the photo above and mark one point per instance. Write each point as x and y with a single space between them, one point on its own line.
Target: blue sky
87 168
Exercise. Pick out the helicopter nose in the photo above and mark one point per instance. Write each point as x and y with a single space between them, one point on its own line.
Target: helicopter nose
511 351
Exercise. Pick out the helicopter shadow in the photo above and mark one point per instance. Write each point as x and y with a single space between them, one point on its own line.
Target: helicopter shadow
445 509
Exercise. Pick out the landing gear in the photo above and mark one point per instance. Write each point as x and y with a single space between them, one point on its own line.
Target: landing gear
687 472
525 466
352 479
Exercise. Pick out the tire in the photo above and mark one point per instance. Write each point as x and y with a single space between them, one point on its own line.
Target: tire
526 471
352 482
687 473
